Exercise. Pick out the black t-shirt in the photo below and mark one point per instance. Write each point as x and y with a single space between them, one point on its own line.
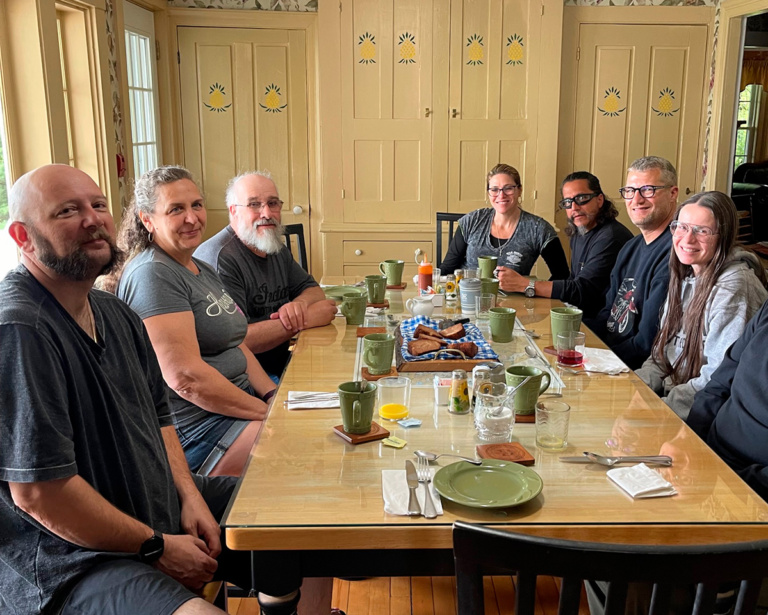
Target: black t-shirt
71 406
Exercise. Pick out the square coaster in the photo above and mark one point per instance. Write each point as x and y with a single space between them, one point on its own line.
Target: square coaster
377 433
397 286
525 418
363 331
507 451
374 377
380 305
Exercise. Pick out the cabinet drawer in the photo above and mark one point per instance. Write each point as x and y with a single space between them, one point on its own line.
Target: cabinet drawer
364 252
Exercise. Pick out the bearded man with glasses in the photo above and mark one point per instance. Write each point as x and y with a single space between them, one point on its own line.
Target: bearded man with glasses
629 320
278 297
596 238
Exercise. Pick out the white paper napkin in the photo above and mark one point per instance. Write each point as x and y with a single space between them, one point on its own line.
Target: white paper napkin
395 491
603 360
640 481
319 399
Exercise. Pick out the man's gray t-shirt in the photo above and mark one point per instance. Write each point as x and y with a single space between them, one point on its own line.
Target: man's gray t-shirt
259 285
71 406
153 283
519 253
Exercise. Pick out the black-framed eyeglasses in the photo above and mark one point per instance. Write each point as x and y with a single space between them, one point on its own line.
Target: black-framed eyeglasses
628 192
699 232
579 199
273 205
508 190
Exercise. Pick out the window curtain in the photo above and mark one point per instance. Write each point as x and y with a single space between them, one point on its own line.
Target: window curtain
754 71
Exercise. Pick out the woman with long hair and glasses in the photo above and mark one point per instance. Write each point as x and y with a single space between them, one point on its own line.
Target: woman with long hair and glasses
218 390
505 230
715 287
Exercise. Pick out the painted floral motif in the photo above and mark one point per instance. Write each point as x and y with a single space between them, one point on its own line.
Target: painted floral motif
367 48
217 98
407 44
611 103
515 50
475 51
665 103
257 5
272 100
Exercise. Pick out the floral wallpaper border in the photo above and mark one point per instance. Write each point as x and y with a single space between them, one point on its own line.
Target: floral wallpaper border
257 5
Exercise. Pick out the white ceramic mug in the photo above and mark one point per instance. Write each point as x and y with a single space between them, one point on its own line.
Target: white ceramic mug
420 306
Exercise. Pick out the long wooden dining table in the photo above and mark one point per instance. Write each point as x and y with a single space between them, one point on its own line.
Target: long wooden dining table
305 489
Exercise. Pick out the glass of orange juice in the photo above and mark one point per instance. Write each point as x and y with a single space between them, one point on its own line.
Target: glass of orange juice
394 397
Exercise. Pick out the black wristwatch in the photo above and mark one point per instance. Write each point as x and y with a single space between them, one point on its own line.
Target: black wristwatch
152 548
530 290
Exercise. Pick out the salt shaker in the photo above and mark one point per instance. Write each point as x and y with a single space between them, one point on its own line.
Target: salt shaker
459 402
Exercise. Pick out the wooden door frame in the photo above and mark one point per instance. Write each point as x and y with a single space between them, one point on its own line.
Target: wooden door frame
725 93
574 17
252 20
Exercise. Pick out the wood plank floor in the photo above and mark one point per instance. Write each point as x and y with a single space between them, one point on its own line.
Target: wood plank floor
422 596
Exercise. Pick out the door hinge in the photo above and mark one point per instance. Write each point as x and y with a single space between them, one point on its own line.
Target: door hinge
339 7
535 194
343 193
578 53
157 50
542 8
178 57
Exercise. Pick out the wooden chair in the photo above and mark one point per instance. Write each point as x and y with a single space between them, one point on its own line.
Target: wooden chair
451 219
298 231
215 593
478 550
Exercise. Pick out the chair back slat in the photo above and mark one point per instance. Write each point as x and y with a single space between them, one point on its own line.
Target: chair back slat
451 219
298 231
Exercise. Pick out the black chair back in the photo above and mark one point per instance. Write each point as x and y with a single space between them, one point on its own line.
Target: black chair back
298 231
451 219
480 550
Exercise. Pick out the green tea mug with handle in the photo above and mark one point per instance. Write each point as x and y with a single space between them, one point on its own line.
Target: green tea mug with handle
393 269
357 400
353 307
528 394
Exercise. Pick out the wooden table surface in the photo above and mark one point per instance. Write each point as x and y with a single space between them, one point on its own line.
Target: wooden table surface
305 488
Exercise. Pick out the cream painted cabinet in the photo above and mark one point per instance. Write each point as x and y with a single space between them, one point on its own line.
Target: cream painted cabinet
640 91
433 94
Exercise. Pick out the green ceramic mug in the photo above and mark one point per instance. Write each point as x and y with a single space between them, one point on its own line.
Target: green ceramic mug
489 285
487 265
528 394
393 269
357 400
353 307
502 323
378 350
564 319
376 285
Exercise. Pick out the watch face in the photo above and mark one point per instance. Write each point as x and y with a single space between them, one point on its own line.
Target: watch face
530 292
152 549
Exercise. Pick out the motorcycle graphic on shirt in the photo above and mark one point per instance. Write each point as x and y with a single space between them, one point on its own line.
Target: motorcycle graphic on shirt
623 311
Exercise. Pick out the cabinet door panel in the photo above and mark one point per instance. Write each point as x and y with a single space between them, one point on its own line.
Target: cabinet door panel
386 64
494 69
640 92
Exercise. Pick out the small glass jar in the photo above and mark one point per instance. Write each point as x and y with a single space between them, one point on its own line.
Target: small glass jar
459 401
450 287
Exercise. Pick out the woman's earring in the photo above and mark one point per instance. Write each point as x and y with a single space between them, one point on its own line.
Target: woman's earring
150 237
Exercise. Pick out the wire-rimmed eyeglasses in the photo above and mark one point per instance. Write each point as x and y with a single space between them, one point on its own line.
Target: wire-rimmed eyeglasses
273 205
700 232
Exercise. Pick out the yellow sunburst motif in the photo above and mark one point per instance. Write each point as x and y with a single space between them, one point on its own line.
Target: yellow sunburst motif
272 99
475 53
367 48
217 98
665 103
611 103
407 44
515 50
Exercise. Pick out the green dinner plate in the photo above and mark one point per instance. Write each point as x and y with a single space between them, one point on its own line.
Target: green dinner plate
342 290
494 484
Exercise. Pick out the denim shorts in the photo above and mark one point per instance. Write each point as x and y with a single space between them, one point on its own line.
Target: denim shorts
199 439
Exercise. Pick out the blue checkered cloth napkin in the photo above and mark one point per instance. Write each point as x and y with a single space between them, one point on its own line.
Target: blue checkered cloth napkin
407 328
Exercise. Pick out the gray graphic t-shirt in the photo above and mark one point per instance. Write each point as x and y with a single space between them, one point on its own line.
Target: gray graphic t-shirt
153 283
519 253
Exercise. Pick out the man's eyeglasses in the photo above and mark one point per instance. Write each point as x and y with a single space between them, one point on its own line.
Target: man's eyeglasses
274 205
700 232
508 190
579 199
628 192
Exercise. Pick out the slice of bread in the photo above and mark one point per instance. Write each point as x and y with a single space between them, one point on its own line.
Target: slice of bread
422 346
454 332
468 348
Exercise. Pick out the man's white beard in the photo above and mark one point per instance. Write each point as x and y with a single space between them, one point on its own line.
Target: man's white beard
267 240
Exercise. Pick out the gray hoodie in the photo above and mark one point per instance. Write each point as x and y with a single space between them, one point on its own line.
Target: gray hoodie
734 299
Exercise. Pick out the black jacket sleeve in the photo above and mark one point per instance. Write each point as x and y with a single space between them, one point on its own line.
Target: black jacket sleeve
456 257
554 256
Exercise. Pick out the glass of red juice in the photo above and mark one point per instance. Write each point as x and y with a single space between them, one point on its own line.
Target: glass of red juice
570 348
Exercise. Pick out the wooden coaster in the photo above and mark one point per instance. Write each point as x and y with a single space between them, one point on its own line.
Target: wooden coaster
363 331
525 418
380 305
377 433
397 286
550 350
373 377
508 451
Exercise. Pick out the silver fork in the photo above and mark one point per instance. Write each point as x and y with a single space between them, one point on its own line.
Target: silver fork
425 477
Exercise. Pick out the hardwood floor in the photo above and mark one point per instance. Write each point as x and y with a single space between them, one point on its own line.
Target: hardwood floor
422 596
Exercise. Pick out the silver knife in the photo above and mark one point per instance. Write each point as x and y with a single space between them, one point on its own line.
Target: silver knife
413 481
657 459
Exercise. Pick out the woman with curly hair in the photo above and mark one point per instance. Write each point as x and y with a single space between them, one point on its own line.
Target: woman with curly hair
715 287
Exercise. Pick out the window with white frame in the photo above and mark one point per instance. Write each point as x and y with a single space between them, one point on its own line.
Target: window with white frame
750 100
8 252
142 89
